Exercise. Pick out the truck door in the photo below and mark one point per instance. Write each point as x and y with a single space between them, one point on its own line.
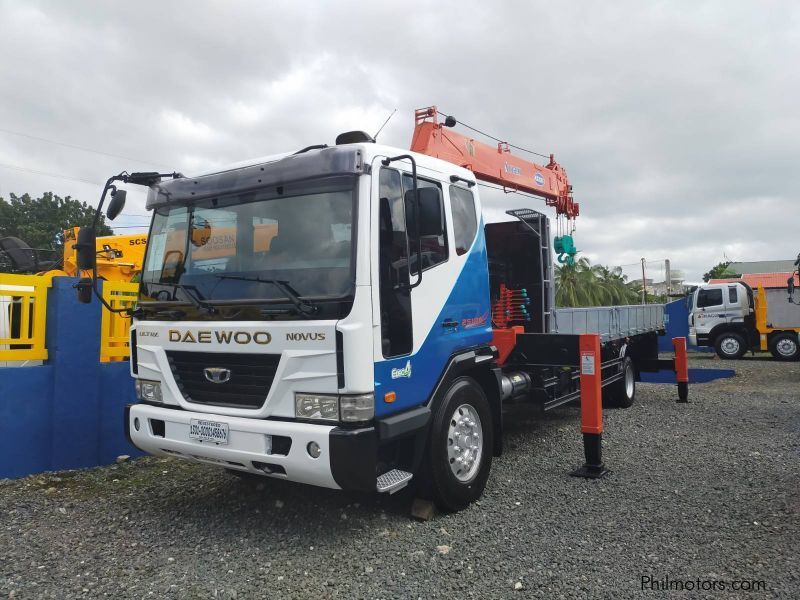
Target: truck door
417 324
735 303
710 308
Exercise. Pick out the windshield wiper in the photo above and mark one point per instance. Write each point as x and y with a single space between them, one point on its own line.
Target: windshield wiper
194 297
304 307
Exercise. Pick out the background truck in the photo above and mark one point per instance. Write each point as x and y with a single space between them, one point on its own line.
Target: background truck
373 338
733 318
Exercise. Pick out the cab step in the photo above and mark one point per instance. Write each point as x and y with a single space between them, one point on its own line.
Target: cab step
393 481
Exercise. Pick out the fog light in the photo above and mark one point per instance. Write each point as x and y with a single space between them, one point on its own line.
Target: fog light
148 391
313 449
136 424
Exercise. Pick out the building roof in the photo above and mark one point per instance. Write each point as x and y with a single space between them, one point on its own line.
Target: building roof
762 266
768 280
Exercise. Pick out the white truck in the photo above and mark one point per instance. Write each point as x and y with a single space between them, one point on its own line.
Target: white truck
733 319
352 317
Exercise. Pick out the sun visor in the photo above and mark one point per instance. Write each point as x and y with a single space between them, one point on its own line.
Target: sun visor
294 168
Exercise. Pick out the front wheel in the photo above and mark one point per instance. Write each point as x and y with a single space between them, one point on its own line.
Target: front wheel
730 345
459 455
784 346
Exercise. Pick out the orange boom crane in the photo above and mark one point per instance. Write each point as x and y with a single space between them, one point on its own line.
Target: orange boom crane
499 166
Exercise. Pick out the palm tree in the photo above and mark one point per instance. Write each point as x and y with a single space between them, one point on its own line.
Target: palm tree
584 284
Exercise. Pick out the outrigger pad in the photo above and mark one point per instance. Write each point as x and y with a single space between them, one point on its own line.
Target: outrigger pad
591 471
593 468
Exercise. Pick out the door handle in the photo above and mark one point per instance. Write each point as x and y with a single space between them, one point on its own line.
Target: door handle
449 324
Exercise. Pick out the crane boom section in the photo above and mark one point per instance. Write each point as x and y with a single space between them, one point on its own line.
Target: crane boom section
493 164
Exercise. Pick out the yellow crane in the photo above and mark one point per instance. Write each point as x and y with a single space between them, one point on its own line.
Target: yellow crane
119 257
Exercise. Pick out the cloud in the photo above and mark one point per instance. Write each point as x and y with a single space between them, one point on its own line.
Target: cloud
677 123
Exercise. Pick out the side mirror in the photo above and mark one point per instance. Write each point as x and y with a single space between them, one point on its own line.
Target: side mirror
430 212
86 247
117 204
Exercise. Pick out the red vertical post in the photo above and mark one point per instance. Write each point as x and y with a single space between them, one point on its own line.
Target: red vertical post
681 367
591 379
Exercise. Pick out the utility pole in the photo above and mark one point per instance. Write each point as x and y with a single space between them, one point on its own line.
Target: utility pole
644 285
669 277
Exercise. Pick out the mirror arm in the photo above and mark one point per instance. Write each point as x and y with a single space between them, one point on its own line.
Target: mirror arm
109 186
385 162
146 179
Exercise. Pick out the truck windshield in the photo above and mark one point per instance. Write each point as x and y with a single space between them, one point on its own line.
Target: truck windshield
225 248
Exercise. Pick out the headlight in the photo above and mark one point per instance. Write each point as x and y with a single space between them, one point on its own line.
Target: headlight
149 391
316 406
357 408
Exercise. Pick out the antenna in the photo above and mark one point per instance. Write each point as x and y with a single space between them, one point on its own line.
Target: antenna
375 137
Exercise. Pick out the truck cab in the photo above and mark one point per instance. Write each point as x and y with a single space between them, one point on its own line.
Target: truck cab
298 316
721 317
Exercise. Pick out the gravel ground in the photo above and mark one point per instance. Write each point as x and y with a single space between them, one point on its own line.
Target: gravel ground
707 490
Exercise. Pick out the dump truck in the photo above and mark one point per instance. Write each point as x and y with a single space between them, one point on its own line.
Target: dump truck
372 340
734 319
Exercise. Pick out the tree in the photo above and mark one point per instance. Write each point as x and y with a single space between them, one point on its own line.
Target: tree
584 284
41 221
720 271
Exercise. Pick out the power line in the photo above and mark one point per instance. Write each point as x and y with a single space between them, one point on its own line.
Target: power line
46 174
60 176
77 147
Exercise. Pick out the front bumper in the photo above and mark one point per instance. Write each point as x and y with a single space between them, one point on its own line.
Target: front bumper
350 458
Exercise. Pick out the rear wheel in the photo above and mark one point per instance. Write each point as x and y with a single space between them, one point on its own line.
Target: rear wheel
784 346
622 393
730 345
459 455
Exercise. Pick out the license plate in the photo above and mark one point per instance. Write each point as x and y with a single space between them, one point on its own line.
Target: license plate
208 431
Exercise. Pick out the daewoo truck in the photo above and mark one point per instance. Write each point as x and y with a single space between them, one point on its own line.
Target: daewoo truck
373 339
733 319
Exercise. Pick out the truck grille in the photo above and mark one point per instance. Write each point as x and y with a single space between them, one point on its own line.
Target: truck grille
250 379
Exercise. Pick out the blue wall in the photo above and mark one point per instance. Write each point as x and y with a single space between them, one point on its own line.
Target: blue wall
677 316
68 413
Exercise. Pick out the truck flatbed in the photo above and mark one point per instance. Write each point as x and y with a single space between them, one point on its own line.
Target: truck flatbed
611 322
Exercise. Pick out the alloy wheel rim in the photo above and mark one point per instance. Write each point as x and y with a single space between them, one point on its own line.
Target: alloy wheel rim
786 347
465 443
730 345
629 379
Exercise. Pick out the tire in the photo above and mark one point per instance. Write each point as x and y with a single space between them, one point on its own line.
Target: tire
622 393
463 412
730 345
784 346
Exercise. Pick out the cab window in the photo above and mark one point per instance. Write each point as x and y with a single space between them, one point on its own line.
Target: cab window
709 298
434 247
465 223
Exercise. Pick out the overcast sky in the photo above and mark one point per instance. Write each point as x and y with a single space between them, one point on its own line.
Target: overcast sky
678 122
